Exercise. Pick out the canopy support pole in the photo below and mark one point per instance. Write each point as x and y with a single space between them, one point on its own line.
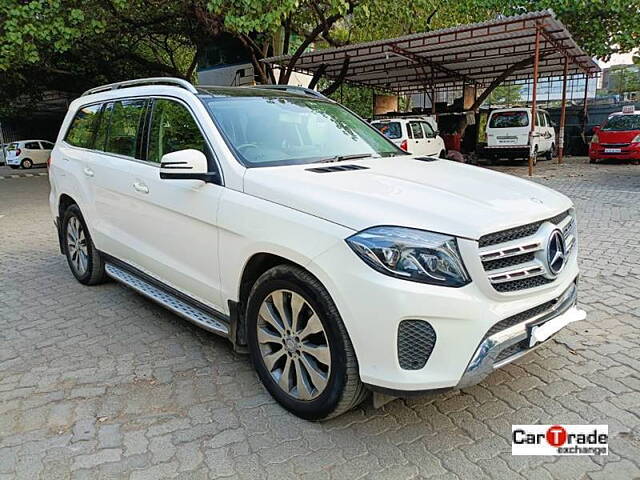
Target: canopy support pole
563 111
532 132
585 108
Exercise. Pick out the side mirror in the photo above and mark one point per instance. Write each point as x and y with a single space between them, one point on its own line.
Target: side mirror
187 164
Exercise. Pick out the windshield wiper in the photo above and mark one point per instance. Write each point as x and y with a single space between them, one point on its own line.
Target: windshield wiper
342 158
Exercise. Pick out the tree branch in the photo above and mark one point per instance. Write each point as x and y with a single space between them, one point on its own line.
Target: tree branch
339 79
503 76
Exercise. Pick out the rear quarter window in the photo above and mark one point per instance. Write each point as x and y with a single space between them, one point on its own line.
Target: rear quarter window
392 130
82 128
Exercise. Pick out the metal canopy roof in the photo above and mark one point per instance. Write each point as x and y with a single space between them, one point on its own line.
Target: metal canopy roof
450 58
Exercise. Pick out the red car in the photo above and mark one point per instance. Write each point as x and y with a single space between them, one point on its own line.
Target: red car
617 138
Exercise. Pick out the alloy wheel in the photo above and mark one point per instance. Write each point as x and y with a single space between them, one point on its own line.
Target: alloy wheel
293 345
77 246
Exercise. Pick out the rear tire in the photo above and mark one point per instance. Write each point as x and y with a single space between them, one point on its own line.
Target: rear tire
83 258
26 164
314 386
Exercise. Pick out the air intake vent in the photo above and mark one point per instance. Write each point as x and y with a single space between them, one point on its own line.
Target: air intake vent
416 339
337 168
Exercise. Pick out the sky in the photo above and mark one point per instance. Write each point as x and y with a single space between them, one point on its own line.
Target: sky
617 59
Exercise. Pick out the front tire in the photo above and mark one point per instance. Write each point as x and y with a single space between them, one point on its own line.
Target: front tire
299 345
26 164
83 258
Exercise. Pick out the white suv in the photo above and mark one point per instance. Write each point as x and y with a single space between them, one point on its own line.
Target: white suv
285 223
413 134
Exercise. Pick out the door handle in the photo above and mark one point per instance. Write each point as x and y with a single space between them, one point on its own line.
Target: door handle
140 187
88 172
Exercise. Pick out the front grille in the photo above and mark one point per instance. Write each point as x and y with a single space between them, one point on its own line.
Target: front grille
518 232
510 351
522 284
508 261
615 145
416 339
520 317
515 259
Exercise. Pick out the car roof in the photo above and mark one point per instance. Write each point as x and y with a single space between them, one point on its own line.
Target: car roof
33 140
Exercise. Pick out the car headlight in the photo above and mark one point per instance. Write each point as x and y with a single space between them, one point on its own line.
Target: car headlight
636 139
410 254
595 139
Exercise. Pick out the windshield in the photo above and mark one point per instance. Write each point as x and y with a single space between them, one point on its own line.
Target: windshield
620 123
392 130
267 131
509 119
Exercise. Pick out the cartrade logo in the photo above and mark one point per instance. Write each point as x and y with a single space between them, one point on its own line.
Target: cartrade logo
560 440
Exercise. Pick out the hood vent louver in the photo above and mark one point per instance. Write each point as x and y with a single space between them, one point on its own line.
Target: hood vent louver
427 159
336 168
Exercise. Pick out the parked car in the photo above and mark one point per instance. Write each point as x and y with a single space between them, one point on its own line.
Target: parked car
508 134
617 138
415 135
290 226
28 153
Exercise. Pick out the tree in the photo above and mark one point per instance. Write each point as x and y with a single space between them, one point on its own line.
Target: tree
601 28
624 78
505 95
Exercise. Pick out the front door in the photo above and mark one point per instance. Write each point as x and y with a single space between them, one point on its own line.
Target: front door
432 145
174 221
417 144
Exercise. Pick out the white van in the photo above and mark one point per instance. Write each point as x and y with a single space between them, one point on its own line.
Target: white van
508 134
418 135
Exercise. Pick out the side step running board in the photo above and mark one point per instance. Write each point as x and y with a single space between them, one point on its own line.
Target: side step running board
171 302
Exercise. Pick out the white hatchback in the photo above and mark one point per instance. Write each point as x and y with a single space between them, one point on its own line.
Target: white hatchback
416 135
291 227
28 153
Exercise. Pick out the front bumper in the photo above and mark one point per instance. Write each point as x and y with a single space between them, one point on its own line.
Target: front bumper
514 340
373 306
599 152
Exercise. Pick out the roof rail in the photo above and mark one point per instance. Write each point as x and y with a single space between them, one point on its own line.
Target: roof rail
293 89
178 82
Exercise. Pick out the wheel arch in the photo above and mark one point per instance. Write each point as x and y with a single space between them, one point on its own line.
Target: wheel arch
257 264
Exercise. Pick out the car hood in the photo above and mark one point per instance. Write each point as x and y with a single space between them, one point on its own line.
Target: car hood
436 195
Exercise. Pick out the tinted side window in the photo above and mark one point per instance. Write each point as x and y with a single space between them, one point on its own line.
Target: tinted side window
80 133
172 129
32 146
416 130
124 125
428 131
103 128
47 145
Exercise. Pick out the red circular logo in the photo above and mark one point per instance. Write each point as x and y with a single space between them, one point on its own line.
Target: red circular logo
556 436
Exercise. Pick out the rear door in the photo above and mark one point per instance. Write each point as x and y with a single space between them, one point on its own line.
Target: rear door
33 151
